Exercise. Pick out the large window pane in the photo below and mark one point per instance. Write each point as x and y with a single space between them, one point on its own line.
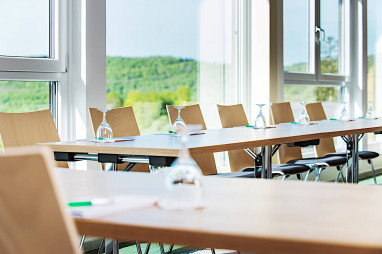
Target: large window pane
24 28
374 53
330 96
298 56
330 46
168 52
23 96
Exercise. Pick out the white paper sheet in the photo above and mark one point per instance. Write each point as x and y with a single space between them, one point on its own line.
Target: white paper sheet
118 204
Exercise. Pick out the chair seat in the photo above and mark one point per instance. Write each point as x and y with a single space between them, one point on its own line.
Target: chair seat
331 160
363 155
280 170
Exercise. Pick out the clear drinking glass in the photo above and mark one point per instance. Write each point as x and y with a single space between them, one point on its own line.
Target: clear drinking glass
104 132
183 181
344 113
179 125
304 117
260 119
370 110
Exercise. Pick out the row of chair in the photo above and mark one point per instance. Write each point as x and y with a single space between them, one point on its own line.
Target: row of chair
24 129
240 160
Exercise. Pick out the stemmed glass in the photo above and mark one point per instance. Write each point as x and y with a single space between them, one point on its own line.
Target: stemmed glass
260 119
344 113
179 125
183 181
104 132
370 111
304 117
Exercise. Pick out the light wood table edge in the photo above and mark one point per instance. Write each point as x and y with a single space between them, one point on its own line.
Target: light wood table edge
218 241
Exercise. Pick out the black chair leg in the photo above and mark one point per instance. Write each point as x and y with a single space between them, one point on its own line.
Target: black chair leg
102 246
171 248
372 170
147 248
82 241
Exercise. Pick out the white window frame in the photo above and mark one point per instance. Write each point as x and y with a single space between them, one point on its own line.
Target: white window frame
57 62
48 70
315 77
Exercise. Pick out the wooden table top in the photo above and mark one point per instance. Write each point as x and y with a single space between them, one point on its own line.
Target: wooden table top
249 215
222 139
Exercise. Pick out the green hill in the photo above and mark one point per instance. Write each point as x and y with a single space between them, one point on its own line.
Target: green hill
149 84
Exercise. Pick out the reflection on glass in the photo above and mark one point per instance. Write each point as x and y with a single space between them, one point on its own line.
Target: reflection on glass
104 132
260 119
297 36
183 181
179 125
304 117
24 28
330 46
370 110
344 112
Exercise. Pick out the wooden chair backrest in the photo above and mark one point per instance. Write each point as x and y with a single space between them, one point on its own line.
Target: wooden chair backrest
28 129
121 120
32 216
193 115
316 112
123 124
282 113
190 114
233 116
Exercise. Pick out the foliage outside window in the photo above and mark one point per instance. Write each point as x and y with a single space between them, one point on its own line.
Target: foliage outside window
165 56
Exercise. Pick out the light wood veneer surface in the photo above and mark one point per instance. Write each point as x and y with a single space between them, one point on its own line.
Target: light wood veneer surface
222 139
242 214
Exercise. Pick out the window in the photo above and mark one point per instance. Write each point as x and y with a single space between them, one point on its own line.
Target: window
316 52
316 41
374 57
32 36
24 33
169 52
31 55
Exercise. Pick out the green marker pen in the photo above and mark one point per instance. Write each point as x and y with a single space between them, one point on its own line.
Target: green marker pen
96 201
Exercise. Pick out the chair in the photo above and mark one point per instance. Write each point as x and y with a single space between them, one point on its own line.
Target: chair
28 129
123 124
32 215
193 115
234 116
282 113
326 147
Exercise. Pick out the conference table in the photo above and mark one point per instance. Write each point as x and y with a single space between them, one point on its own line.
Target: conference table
249 215
160 149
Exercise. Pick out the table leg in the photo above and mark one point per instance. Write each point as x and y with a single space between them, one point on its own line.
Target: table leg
115 241
266 169
263 162
115 247
355 158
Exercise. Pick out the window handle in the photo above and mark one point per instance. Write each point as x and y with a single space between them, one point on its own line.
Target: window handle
322 33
